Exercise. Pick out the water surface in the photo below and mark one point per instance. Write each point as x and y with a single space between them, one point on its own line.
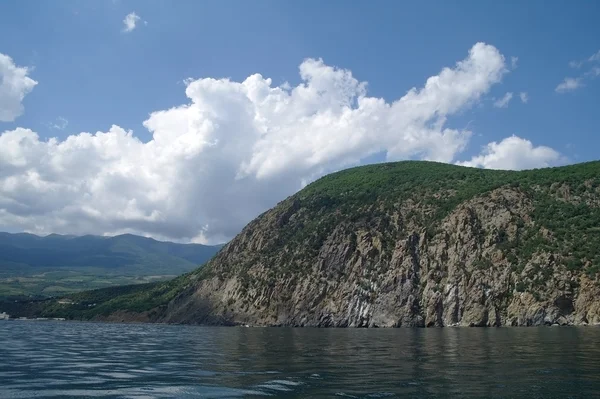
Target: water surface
66 359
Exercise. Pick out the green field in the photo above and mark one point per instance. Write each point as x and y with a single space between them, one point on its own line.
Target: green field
42 267
58 282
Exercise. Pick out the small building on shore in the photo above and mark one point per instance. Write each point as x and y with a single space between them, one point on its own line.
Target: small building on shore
4 316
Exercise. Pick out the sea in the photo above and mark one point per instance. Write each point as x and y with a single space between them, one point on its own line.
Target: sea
53 359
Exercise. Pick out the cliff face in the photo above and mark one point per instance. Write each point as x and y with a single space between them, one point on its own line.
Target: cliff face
454 246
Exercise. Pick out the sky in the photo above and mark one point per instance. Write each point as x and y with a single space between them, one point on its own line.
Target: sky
185 120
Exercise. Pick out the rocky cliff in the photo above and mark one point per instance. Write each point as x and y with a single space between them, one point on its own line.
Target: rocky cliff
412 244
396 245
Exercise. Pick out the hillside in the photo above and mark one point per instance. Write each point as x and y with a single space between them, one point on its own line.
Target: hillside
55 264
399 244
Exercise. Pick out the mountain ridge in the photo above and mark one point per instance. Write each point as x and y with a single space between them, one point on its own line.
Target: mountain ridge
41 265
408 244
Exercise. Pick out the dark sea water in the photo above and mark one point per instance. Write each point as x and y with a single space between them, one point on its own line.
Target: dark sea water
64 359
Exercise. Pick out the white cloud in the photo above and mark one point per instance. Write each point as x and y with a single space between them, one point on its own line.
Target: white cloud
524 97
594 72
513 62
14 86
514 153
60 124
130 22
569 84
576 64
236 149
503 102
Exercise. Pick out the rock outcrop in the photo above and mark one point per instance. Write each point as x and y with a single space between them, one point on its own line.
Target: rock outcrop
455 247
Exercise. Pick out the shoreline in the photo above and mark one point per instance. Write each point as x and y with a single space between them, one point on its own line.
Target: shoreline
583 325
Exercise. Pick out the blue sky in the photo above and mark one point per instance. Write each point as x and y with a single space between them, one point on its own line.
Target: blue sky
95 75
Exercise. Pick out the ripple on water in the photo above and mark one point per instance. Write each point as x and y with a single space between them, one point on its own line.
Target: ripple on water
50 359
279 385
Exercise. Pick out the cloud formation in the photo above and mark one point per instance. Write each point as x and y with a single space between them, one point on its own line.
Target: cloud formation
569 84
524 97
576 64
503 102
15 84
514 153
130 22
234 150
59 124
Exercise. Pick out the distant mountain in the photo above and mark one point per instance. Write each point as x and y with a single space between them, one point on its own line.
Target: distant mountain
61 260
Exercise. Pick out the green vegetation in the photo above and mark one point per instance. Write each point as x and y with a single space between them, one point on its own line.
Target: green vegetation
88 305
55 265
567 203
442 186
103 302
57 282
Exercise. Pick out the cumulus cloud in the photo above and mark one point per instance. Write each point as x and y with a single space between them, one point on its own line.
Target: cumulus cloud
514 153
503 102
513 62
569 84
524 97
15 84
130 22
234 150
